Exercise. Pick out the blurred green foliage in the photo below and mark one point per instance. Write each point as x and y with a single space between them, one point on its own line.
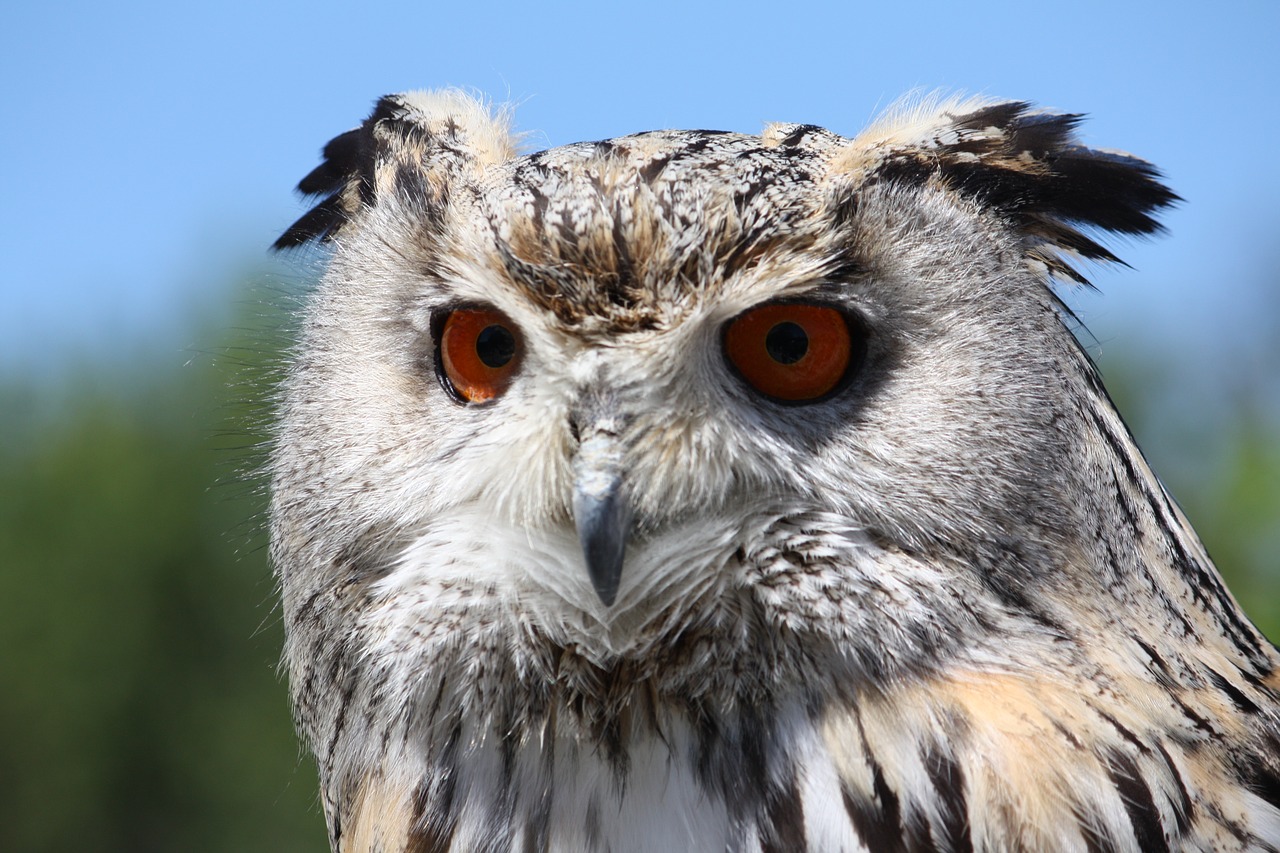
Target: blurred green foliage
141 707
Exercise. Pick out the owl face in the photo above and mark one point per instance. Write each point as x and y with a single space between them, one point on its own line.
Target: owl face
582 382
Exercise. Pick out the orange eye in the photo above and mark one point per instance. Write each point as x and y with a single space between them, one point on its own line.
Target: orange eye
791 351
479 353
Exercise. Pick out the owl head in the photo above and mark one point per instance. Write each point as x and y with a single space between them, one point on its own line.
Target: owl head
587 380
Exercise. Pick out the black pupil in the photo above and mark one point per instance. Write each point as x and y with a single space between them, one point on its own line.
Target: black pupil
786 343
495 346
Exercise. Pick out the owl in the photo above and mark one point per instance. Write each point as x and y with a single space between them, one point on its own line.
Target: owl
693 490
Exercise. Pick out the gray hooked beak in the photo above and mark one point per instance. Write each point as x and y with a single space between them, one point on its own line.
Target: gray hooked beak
601 511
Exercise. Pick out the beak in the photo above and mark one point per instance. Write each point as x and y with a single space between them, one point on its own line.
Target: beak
601 511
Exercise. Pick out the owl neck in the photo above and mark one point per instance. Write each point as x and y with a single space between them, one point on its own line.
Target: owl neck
945 760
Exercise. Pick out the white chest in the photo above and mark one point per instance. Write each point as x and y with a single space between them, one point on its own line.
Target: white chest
674 791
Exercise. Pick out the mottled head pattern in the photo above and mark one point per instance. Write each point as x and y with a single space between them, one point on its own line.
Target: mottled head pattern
632 598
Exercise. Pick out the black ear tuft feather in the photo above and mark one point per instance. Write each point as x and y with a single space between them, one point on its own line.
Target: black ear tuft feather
413 144
345 178
1029 167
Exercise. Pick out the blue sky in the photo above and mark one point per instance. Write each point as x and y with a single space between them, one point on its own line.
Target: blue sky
149 150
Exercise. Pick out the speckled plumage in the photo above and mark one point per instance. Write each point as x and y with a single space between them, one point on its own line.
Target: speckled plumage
946 607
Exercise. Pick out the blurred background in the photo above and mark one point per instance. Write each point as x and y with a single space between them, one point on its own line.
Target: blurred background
149 151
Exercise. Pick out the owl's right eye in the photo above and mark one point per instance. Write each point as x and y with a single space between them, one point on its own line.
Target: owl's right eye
794 352
479 352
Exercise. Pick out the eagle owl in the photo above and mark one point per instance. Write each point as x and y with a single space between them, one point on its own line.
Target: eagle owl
695 490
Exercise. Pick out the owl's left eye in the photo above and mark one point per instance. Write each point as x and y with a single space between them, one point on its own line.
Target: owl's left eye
479 353
794 352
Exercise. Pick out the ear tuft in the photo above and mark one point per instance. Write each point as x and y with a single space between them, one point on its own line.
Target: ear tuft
1024 164
430 136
